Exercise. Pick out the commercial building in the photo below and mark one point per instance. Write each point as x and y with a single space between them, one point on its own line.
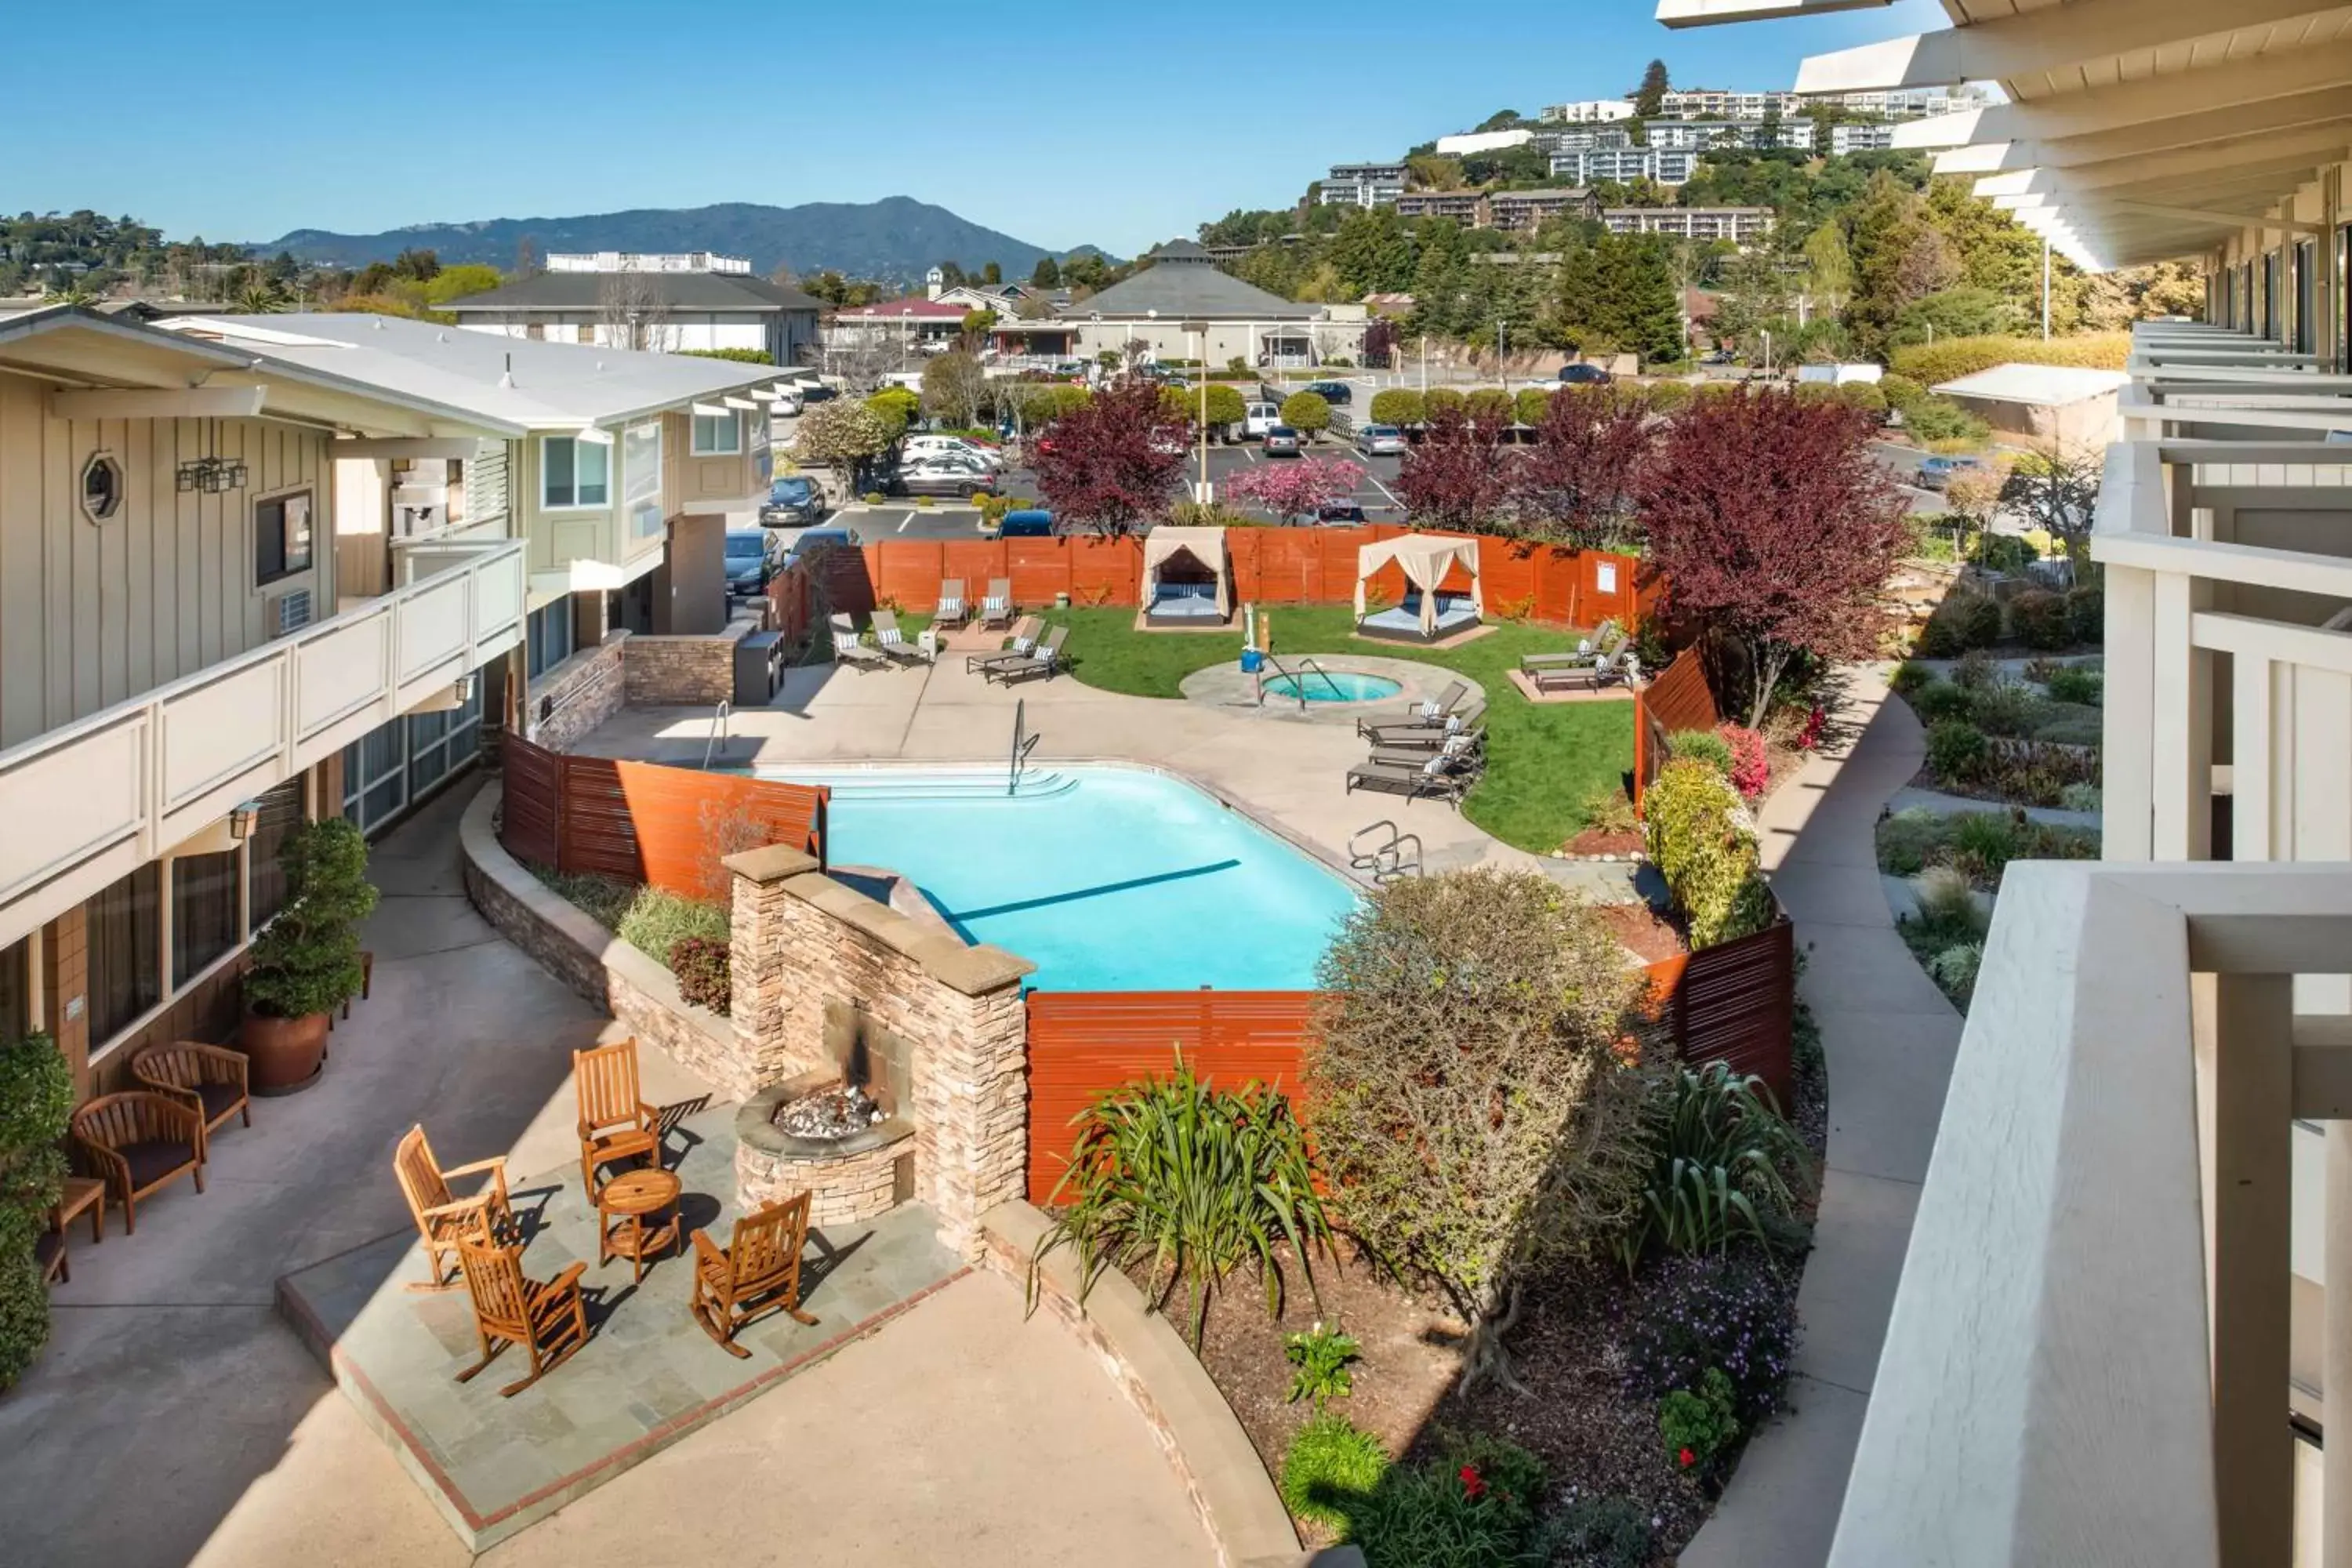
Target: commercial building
1701 135
666 306
1466 207
1742 226
2124 1313
1588 112
1623 165
1362 185
1524 211
1184 306
649 261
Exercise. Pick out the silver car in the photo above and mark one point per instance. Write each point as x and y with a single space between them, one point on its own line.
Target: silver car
1380 441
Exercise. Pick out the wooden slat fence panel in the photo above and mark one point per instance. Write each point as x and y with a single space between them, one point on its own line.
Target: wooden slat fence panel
1679 699
1105 572
1734 1003
1082 1043
976 561
643 822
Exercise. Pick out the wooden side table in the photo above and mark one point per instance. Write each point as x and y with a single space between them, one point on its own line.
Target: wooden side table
623 1205
84 1193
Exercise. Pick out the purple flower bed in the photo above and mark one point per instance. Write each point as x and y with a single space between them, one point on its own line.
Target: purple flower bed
1736 1311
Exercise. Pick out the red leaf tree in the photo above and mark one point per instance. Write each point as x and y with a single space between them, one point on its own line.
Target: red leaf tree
1773 529
1455 479
1114 461
1296 489
1575 485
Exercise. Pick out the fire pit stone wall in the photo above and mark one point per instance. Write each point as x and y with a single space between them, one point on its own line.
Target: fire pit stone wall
854 1178
802 940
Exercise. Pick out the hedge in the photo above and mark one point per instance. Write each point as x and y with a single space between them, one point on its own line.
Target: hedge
1700 841
1397 405
740 356
1930 364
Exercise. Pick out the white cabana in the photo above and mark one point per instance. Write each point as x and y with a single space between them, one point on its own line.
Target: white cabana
1425 558
1204 545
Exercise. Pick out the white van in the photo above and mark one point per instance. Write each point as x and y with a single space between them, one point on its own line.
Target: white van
1257 419
917 446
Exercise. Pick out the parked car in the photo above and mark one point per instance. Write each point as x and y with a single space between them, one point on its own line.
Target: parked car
1936 470
1257 419
1584 375
787 404
820 393
793 500
1380 441
920 447
817 539
1028 524
1337 394
1340 514
964 477
753 556
1282 441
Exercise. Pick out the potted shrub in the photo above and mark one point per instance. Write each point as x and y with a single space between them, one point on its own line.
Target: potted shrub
306 961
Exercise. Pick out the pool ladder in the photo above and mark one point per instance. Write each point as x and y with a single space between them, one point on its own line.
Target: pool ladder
1021 746
1297 679
719 736
1386 859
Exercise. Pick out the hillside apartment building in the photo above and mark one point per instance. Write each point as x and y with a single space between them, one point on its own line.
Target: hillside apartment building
2123 1307
216 620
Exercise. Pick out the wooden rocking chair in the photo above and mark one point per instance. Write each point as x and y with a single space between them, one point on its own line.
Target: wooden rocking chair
138 1141
759 1271
208 1079
444 1219
550 1320
614 1121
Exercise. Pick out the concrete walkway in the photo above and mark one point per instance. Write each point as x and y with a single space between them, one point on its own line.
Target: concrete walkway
1290 772
175 1418
1890 1038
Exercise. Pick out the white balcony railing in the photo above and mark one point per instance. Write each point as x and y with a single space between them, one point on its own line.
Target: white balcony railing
2054 1386
93 800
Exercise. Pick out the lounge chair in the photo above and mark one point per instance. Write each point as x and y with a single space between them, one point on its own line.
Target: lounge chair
893 642
1612 640
1418 733
952 610
996 609
1438 778
1470 745
1423 715
1026 633
1609 670
847 649
1044 661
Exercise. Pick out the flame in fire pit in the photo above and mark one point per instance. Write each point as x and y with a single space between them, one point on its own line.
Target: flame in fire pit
830 1113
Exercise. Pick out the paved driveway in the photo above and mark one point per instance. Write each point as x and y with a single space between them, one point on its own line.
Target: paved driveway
174 1418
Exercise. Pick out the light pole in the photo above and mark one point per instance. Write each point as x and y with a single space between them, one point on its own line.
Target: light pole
1768 353
1206 492
2045 288
906 335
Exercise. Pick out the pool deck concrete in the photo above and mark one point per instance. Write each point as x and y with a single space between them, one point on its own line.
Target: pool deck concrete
1289 773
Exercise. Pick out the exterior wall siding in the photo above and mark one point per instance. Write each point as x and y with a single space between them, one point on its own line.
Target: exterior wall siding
93 613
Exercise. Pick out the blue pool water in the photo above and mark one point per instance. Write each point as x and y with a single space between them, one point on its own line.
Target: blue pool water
1106 879
1339 686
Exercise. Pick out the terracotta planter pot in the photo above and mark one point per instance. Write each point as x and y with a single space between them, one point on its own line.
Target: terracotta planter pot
286 1054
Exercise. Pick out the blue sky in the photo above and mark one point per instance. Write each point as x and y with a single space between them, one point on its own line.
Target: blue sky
1115 124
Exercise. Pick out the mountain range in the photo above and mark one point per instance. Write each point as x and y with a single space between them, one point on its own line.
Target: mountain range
895 238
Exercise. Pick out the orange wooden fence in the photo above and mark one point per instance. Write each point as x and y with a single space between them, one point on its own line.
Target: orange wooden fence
643 822
1680 699
1735 1004
1270 565
1084 1042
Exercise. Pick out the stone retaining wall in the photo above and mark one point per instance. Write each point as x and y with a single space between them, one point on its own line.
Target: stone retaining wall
574 948
696 671
576 696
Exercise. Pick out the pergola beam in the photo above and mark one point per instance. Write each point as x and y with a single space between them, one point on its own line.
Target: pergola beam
2032 42
2317 143
1713 13
2225 220
2238 84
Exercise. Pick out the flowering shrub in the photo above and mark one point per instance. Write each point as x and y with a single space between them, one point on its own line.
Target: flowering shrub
1697 1424
1472 1507
1703 846
704 975
1750 769
1729 1311
1811 737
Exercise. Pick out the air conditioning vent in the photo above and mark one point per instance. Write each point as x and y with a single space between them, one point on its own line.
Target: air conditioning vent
293 611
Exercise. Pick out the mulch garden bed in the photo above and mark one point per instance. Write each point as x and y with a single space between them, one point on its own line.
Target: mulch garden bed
1594 842
1649 936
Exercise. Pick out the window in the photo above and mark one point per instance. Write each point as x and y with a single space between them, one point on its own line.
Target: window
717 435
125 929
641 479
203 912
375 775
574 473
101 488
549 642
281 812
281 537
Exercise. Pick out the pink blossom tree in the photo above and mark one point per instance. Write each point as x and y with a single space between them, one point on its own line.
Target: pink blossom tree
1296 489
1773 529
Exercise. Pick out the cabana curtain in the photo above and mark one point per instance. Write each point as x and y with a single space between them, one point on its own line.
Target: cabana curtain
1426 559
1205 545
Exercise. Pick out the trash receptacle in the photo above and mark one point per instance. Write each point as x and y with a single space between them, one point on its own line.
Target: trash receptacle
1252 661
759 669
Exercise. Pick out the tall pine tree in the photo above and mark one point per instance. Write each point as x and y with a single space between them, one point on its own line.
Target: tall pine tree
1649 101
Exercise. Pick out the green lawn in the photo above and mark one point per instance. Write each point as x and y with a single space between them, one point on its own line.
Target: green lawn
1544 762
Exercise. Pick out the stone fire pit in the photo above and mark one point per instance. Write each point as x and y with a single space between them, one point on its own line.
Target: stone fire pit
820 1134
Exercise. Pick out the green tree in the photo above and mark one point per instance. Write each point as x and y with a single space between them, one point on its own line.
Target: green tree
896 407
1225 404
456 282
1046 274
1828 266
992 274
951 274
839 435
1372 251
954 386
1649 101
1308 413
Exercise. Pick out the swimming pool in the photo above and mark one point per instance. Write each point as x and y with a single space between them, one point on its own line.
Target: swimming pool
1334 686
1106 879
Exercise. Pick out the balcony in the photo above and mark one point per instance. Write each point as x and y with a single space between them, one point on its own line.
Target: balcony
92 800
2087 1359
